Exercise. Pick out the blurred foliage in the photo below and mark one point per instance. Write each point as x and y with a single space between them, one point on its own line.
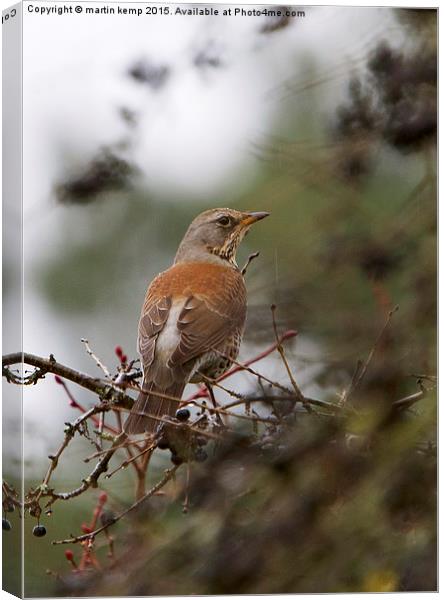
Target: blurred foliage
318 510
352 233
105 172
146 73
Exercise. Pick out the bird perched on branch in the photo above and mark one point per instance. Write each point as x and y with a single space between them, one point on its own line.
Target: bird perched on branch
193 317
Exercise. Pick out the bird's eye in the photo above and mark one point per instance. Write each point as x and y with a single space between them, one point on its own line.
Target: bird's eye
224 221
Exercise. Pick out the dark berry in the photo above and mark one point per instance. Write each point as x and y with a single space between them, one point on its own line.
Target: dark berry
201 441
39 531
176 460
6 525
163 444
183 414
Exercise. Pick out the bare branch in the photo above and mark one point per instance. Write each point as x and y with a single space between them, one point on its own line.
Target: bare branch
103 389
359 376
169 473
249 260
280 349
101 366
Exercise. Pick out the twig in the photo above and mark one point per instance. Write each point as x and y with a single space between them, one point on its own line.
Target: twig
107 374
216 407
280 349
186 502
90 481
360 376
247 264
231 393
169 473
101 366
287 335
245 367
102 452
130 460
321 403
408 401
75 404
423 376
346 393
202 393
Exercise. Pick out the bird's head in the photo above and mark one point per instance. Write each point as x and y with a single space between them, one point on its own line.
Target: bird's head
216 234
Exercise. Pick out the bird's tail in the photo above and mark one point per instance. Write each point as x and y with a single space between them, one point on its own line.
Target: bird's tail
147 406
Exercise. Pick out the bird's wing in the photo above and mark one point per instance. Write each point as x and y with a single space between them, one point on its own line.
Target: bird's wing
154 316
208 320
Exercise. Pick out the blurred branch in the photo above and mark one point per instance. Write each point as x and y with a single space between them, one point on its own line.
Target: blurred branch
361 369
408 401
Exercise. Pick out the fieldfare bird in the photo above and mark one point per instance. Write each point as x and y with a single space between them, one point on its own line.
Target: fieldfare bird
193 317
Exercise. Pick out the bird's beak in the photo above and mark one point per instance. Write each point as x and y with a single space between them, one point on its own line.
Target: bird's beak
252 217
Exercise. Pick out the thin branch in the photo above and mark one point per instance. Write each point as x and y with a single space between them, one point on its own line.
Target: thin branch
346 393
90 481
408 401
104 390
264 399
249 260
360 376
126 443
280 349
287 335
130 461
245 367
169 473
182 402
203 393
101 366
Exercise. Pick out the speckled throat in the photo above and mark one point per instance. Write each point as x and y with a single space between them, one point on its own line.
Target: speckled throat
228 250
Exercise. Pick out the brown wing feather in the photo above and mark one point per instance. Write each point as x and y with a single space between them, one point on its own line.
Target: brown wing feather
154 316
152 321
208 322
